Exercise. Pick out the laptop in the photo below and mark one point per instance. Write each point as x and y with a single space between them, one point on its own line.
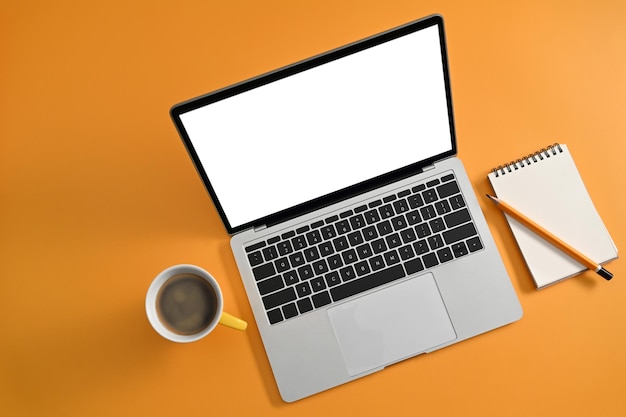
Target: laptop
355 228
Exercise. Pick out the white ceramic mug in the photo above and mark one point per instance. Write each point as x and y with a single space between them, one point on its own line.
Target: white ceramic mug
210 306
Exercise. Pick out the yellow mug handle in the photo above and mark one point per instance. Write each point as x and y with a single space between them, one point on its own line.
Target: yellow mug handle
232 321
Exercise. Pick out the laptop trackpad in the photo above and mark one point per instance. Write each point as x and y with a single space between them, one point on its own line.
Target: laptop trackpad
387 326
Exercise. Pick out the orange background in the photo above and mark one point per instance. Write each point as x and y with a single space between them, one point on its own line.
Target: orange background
97 195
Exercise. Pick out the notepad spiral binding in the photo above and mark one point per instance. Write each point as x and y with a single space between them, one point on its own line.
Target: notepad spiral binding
535 157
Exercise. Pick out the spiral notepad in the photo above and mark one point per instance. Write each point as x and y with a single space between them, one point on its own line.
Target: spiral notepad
547 187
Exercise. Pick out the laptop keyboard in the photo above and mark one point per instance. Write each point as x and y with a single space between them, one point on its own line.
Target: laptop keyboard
362 248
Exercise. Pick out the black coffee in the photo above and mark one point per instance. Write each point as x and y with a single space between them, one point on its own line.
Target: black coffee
186 304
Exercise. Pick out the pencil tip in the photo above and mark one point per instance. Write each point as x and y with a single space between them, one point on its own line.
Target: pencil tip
605 274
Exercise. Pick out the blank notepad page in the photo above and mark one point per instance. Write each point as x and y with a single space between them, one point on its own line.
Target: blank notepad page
547 187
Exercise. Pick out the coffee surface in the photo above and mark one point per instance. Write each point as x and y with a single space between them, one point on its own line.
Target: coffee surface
186 304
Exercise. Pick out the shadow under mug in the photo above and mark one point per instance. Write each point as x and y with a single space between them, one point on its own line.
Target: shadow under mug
218 316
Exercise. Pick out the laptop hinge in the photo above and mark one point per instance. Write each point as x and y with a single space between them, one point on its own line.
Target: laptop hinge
259 228
428 168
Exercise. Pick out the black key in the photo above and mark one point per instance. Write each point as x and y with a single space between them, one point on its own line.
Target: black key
290 311
408 235
384 228
362 268
442 207
284 248
447 189
421 247
299 242
342 227
389 198
346 214
296 259
415 201
332 219
406 252
375 203
274 316
459 233
379 246
355 238
320 267
302 229
422 230
445 255
270 285
305 272
328 232
435 242
304 305
326 249
255 258
447 178
291 277
364 251
311 254
401 206
314 237
367 282
333 279
456 202
430 196
391 257
318 284
255 247
341 243
398 223
321 299
430 260
282 264
418 188
413 266
371 216
386 211
347 273
263 271
404 193
279 298
474 244
349 256
393 241
270 253
413 217
432 183
288 235
457 218
317 224
357 221
370 233
335 262
377 263
273 240
428 212
459 249
303 289
360 209
437 225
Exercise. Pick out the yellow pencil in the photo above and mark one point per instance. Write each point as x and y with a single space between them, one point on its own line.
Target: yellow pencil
585 260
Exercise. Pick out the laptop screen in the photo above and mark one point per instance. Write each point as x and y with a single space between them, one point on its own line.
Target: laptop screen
322 127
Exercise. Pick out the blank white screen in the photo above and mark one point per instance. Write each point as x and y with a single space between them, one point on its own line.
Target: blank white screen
324 129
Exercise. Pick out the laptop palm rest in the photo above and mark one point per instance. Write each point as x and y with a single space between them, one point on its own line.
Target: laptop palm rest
389 325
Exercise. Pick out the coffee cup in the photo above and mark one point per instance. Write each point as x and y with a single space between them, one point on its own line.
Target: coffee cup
184 303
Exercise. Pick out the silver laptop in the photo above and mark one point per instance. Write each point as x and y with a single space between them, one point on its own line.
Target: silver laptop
355 229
